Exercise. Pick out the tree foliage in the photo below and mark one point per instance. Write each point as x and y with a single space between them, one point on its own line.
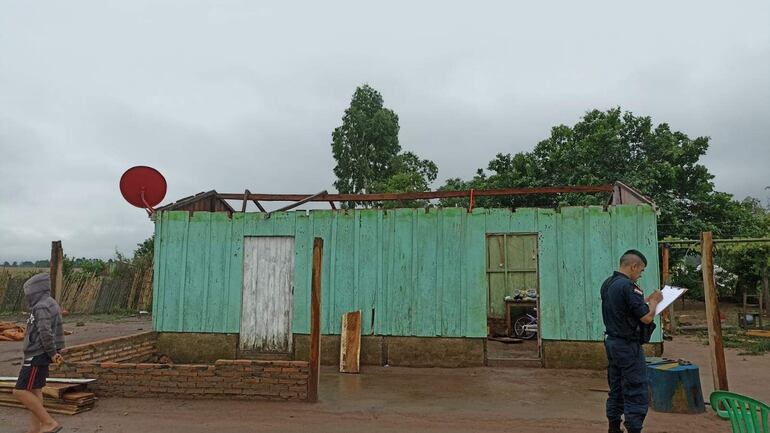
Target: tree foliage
608 146
366 143
367 151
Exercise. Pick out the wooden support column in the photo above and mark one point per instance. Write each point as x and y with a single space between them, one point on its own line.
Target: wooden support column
766 290
56 272
669 320
315 321
716 349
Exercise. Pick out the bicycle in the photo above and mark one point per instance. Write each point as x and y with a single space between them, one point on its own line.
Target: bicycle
525 326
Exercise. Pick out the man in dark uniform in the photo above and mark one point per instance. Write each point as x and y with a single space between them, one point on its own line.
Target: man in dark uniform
628 316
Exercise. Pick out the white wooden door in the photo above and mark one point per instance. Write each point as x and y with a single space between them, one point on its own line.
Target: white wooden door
268 275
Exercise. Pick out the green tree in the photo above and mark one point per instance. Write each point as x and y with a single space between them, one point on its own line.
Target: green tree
409 174
608 146
367 151
143 254
366 143
6 264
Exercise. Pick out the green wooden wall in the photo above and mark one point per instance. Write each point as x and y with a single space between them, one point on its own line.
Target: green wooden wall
412 272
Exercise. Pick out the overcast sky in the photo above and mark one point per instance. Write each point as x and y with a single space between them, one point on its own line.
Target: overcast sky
230 95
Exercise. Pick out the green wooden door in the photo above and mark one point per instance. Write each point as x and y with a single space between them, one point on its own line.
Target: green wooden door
511 266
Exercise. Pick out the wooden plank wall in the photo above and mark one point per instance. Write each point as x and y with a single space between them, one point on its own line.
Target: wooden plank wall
411 272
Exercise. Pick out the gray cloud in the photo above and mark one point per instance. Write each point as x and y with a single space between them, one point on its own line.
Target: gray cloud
235 94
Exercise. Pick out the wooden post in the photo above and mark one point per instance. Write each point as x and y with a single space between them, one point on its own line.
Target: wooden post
56 272
315 321
766 291
716 349
668 317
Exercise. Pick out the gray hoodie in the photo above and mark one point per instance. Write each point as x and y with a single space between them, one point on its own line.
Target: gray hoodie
45 333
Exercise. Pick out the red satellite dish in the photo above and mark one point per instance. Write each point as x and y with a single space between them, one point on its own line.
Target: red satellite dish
143 187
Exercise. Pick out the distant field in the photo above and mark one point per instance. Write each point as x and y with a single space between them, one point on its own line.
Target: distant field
21 271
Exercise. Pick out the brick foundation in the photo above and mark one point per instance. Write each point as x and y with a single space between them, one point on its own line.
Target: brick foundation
226 378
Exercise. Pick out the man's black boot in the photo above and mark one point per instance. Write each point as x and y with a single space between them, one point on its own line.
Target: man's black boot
615 427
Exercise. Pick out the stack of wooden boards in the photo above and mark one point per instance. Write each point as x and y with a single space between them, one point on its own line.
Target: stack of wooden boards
9 331
62 396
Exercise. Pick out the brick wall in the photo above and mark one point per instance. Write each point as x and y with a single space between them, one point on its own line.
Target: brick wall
235 379
231 379
121 349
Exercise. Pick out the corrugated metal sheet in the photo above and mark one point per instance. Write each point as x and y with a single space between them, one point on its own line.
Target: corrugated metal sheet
411 271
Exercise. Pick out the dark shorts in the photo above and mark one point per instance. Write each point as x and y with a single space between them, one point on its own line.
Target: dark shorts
34 372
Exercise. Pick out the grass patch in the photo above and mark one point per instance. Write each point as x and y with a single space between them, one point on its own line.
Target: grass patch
746 345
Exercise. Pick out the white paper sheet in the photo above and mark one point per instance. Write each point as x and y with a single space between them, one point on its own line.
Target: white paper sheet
670 294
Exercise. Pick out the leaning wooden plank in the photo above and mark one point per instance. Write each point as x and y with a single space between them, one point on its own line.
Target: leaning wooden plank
52 379
350 342
758 333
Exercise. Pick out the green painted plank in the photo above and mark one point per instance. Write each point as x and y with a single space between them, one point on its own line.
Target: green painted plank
258 224
175 251
601 262
379 305
284 223
234 294
214 316
571 268
524 220
323 222
343 294
158 269
550 316
498 220
368 262
475 277
196 259
388 263
402 279
451 283
438 303
303 259
648 241
424 303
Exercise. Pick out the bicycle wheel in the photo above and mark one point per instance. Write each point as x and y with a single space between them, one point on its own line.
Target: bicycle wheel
520 328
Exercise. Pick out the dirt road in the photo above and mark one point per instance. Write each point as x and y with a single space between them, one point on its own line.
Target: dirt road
408 400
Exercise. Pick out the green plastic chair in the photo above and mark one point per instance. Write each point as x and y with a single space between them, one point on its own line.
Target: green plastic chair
745 414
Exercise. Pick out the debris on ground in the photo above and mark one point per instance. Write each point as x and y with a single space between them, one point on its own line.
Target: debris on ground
10 331
62 396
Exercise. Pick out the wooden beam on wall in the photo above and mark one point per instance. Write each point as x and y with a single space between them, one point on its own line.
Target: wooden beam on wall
716 348
315 321
56 272
421 195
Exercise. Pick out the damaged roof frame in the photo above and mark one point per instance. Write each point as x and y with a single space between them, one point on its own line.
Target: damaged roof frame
619 194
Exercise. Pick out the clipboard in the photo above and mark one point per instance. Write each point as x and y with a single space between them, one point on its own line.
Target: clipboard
670 294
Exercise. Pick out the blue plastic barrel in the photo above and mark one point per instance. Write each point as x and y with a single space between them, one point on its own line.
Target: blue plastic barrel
674 388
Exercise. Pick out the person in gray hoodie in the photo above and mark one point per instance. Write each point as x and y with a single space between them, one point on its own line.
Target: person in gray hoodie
43 340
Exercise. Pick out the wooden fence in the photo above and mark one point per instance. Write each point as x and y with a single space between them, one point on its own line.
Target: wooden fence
130 291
